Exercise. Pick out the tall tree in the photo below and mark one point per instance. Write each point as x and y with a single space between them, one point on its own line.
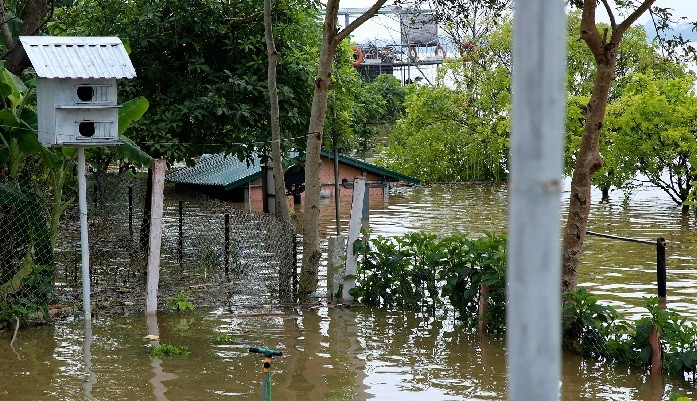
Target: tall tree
653 123
331 38
604 47
466 23
636 55
273 55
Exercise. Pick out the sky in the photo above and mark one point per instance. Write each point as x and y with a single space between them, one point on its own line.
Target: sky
386 27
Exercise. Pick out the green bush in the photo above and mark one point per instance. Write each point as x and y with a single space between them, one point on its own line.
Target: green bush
677 397
417 271
181 302
594 330
399 272
471 264
168 350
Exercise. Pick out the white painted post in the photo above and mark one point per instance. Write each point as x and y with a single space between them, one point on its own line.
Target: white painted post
158 187
84 237
88 384
534 256
335 271
353 233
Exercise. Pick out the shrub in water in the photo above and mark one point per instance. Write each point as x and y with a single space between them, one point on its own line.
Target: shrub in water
168 350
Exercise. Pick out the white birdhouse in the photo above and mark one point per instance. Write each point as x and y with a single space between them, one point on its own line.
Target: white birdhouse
76 88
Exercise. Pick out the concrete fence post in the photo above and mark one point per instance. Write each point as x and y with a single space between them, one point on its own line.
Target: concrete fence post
533 331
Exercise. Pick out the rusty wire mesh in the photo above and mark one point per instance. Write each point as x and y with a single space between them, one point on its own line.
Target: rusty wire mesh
215 252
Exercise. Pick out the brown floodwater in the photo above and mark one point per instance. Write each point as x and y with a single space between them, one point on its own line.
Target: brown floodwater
362 353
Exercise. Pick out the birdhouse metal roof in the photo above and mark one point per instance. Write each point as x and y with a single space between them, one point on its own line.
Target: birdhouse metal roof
78 57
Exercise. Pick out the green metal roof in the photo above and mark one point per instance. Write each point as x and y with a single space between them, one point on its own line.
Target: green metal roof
371 168
218 170
229 172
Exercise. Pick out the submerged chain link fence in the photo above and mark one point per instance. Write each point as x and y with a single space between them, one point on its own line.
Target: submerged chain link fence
214 253
26 256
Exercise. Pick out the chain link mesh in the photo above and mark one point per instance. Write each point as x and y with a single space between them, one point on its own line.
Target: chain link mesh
213 251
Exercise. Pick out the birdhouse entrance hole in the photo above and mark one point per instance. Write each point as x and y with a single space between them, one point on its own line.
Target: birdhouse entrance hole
85 93
86 128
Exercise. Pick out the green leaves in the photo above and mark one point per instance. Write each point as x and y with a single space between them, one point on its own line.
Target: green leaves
417 271
132 152
168 350
676 397
202 66
458 134
595 330
651 131
132 111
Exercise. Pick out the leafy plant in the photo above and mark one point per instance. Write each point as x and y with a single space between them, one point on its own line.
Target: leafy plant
598 331
398 273
226 339
181 302
678 338
472 264
238 267
417 271
676 397
168 350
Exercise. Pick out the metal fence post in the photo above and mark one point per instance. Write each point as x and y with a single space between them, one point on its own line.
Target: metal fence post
227 246
295 267
84 233
130 210
180 238
533 333
661 278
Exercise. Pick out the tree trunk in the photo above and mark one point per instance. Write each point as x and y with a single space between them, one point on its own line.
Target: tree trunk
588 162
273 56
34 16
606 194
604 51
311 251
330 39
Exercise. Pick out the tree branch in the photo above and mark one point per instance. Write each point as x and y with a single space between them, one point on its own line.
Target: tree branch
589 30
372 11
6 34
613 23
624 25
246 18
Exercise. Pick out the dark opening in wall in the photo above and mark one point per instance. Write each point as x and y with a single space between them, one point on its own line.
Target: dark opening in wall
85 93
86 128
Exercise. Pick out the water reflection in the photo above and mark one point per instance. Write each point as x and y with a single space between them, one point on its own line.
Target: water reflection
90 376
159 375
328 354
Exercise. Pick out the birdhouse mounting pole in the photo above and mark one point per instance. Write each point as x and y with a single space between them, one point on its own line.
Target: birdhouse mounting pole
84 242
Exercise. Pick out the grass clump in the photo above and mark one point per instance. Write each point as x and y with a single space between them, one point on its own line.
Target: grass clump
168 350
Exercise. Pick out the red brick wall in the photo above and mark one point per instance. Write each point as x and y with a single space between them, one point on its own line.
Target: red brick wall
327 178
